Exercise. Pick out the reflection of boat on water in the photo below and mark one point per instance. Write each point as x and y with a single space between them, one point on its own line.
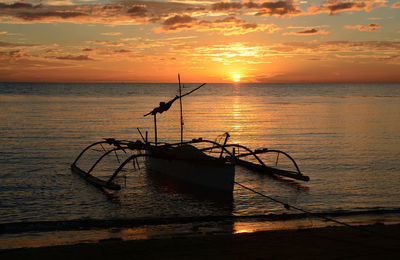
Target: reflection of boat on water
201 162
178 189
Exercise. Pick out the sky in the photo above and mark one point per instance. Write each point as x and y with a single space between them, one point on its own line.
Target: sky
258 41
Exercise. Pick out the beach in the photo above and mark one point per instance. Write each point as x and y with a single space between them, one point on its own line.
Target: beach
377 241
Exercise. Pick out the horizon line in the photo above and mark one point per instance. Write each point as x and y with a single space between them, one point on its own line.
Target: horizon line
226 82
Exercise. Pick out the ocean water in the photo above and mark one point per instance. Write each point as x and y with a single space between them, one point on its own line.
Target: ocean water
345 137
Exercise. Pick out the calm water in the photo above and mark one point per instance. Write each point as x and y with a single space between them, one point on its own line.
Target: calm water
346 137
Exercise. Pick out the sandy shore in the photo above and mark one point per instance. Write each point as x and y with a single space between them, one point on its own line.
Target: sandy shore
379 242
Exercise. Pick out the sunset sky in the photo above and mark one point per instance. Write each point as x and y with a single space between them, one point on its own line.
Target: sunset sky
203 40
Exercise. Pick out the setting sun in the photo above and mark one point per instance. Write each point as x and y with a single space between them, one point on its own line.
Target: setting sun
236 77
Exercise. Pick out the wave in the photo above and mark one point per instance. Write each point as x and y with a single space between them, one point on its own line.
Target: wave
89 223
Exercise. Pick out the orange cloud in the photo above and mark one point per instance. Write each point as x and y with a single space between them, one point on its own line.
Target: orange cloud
179 22
278 8
16 54
224 6
312 31
12 44
49 16
107 43
124 12
389 58
137 11
369 28
227 54
111 33
74 57
396 5
335 6
227 26
17 5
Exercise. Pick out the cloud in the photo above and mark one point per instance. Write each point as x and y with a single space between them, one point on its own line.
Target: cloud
12 44
64 2
122 51
349 49
227 54
44 16
369 28
16 54
137 11
111 33
227 26
224 6
116 12
74 57
107 43
312 31
389 58
395 45
336 6
266 77
140 12
396 5
98 53
278 8
178 22
17 5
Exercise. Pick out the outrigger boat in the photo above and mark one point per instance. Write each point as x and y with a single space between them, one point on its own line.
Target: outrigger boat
201 162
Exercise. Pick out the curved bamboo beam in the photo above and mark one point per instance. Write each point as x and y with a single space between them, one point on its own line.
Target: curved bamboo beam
258 158
288 156
87 148
123 165
101 157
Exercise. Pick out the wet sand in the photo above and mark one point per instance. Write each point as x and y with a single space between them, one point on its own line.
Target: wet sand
367 242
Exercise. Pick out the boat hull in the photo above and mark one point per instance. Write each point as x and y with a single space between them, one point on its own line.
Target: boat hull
213 175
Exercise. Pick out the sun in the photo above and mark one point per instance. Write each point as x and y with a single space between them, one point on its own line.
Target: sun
236 77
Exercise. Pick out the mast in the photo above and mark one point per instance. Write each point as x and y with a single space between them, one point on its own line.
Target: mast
164 106
180 103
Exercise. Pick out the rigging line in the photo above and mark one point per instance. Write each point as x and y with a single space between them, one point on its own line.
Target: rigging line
193 90
288 206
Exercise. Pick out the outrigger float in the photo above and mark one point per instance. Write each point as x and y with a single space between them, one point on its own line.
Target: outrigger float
201 162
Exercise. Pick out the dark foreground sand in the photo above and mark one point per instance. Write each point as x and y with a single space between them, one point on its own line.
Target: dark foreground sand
380 242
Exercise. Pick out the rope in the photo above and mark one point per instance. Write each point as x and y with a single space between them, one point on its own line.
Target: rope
288 206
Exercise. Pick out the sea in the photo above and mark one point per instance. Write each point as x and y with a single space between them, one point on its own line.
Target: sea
345 137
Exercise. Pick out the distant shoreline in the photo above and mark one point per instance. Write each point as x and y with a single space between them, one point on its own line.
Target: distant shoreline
362 242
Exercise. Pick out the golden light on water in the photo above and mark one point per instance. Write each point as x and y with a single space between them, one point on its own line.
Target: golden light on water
236 77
